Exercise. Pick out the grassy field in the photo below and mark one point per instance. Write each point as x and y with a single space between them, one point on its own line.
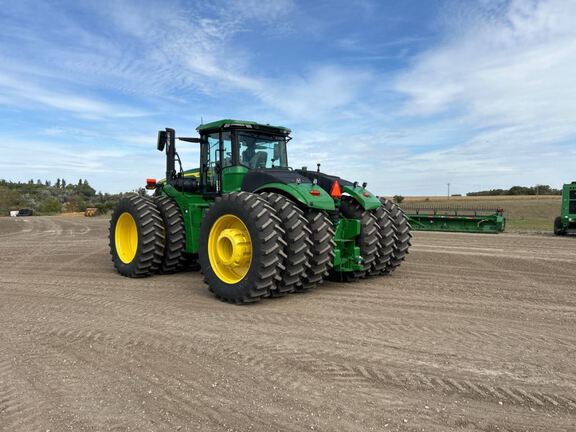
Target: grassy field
523 213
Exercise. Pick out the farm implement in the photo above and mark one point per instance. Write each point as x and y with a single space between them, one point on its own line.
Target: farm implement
255 226
455 219
566 222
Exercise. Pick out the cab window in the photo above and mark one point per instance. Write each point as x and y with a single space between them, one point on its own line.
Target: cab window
262 151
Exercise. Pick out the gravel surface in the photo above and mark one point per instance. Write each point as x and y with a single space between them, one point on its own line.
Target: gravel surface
474 332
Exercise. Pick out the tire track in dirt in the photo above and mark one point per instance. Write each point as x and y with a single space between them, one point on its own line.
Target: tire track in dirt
394 333
21 407
128 345
447 328
352 376
511 394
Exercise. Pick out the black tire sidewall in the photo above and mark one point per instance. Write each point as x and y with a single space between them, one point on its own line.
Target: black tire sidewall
164 204
558 227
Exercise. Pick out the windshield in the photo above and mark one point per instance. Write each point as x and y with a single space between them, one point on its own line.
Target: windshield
262 151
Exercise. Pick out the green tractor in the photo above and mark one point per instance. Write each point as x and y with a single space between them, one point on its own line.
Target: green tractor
255 226
566 222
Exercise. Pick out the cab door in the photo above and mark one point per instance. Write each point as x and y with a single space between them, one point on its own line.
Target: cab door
216 155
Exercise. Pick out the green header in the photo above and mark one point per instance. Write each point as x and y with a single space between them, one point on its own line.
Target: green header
249 124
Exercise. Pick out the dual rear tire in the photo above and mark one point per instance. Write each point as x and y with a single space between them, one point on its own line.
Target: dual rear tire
147 236
136 237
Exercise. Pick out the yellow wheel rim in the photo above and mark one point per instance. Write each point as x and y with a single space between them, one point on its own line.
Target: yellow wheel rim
230 249
126 238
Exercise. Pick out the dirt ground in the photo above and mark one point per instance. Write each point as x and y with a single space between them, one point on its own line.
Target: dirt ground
474 332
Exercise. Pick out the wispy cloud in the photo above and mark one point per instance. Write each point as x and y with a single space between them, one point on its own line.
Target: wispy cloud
503 71
198 52
20 93
172 51
516 69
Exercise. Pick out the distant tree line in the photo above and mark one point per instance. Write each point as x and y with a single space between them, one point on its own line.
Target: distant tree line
45 197
520 190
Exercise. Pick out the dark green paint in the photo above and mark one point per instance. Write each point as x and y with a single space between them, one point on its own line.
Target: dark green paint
454 222
347 255
369 202
192 207
301 193
568 207
219 124
232 178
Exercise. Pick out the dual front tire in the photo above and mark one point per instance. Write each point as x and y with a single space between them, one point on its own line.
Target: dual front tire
395 238
384 238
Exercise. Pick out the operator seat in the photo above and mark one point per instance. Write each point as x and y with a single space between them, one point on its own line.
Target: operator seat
259 160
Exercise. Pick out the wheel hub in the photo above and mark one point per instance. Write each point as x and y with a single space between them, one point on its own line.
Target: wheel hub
233 248
229 249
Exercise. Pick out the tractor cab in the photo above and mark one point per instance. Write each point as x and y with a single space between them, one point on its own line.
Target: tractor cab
231 148
229 151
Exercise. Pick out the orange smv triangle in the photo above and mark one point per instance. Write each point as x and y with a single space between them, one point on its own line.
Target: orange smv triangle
335 191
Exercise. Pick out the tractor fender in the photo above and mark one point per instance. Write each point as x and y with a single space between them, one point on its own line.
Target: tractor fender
366 199
301 193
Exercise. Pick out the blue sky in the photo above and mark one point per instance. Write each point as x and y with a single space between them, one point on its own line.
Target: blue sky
407 95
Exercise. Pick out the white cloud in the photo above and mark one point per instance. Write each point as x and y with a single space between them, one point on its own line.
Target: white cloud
186 49
505 73
17 92
23 154
318 93
517 69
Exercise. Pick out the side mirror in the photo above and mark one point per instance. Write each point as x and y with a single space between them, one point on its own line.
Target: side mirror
161 140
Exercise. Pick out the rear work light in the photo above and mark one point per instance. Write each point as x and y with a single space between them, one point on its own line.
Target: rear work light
151 183
314 192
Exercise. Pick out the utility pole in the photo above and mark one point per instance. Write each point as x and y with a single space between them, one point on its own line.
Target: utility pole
448 184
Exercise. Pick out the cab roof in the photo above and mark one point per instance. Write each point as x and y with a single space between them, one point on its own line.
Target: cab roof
218 124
